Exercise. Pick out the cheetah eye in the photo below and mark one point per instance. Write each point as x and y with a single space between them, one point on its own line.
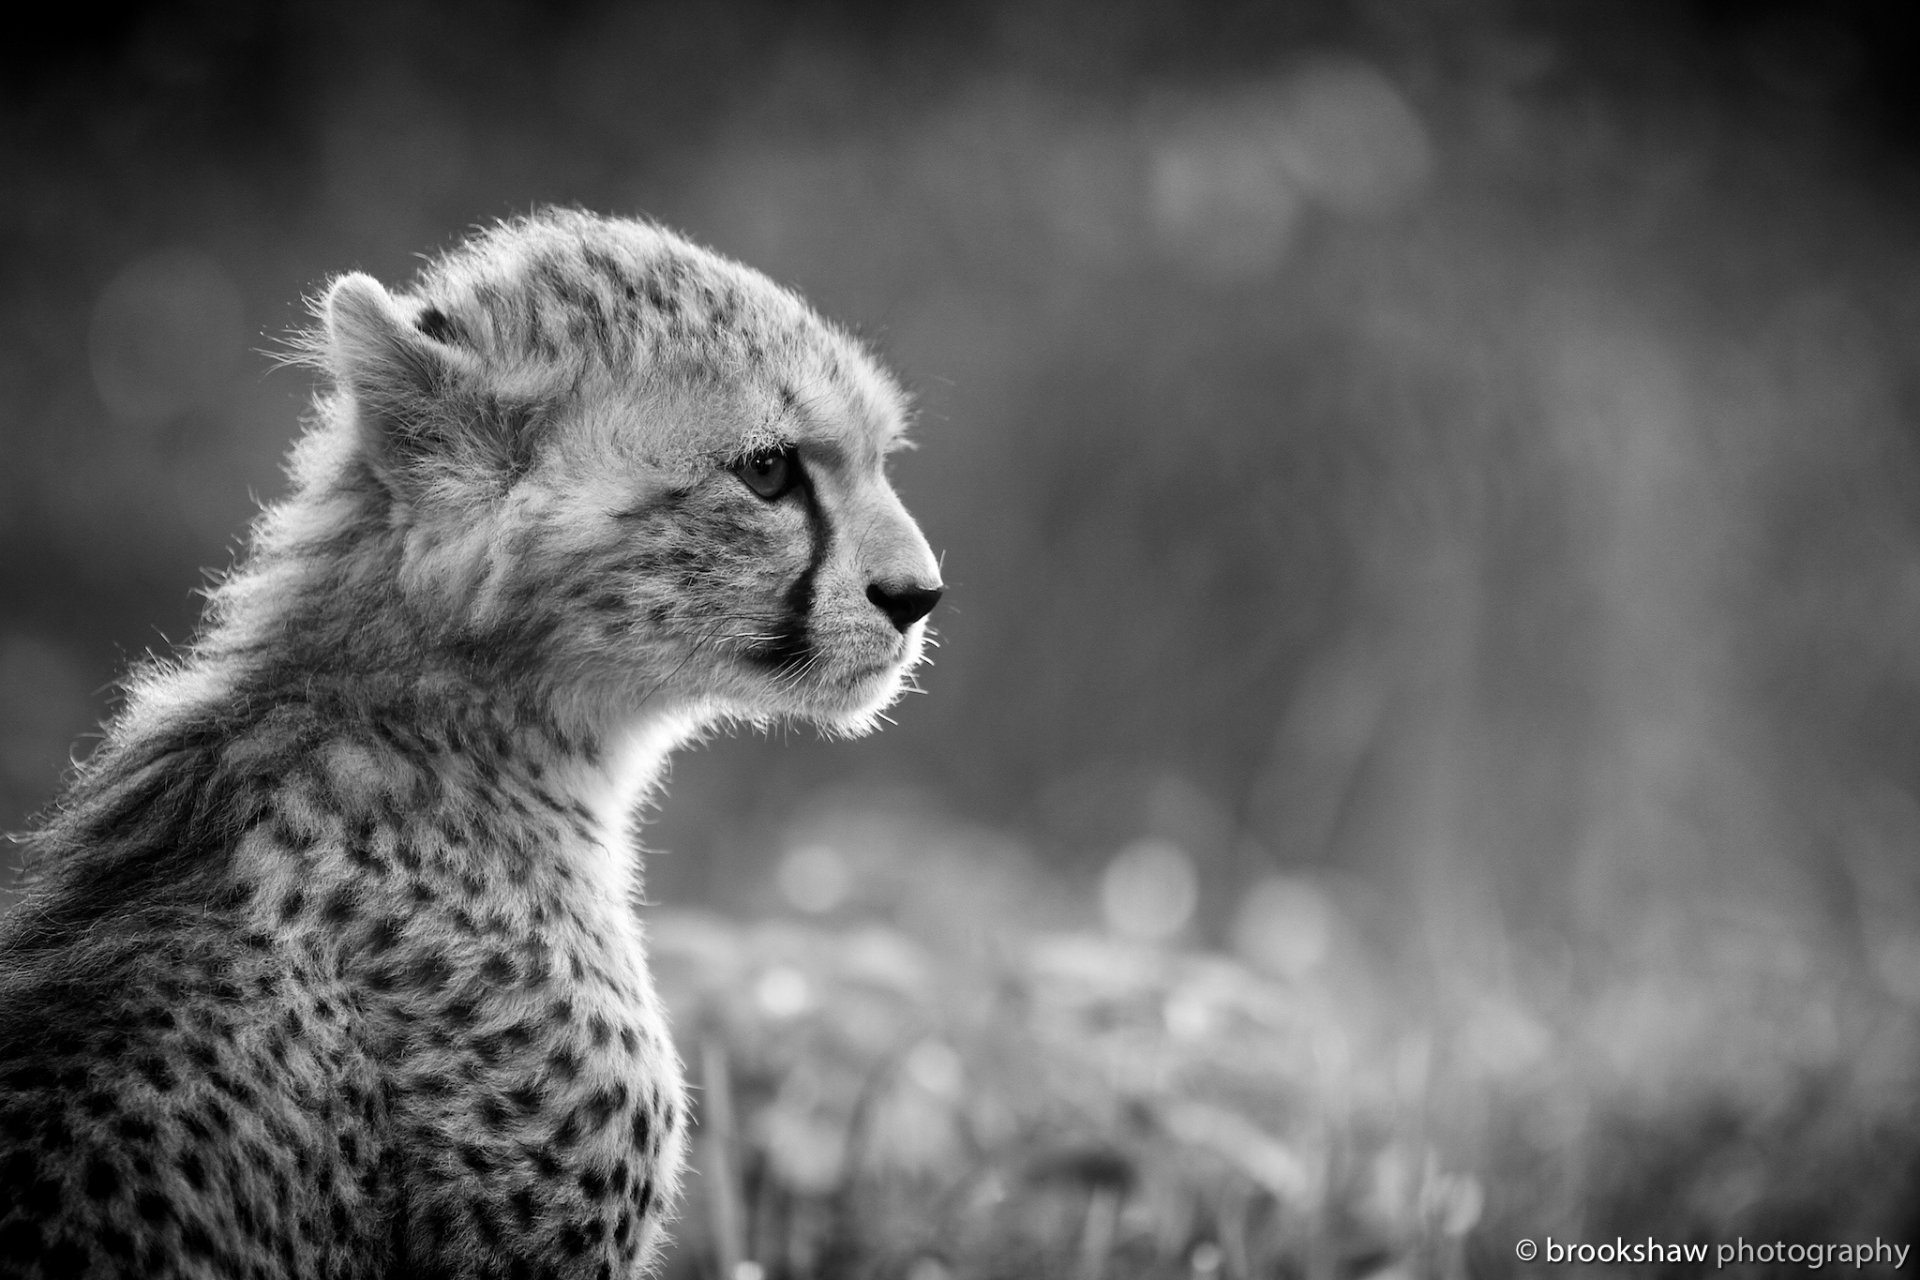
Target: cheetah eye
771 473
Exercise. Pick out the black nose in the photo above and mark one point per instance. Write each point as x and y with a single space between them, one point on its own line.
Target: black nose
903 602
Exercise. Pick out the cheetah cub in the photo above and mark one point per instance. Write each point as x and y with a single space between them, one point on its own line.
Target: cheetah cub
333 966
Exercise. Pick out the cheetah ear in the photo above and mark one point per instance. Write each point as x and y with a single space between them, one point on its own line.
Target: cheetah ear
427 411
421 400
396 372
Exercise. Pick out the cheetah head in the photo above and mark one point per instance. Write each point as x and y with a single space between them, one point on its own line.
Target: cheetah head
636 471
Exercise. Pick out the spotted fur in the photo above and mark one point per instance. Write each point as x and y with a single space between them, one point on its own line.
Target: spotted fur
332 967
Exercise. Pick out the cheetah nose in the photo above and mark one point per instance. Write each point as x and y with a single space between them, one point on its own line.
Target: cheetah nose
904 602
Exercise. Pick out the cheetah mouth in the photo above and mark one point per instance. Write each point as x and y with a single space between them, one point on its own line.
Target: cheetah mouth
823 664
830 673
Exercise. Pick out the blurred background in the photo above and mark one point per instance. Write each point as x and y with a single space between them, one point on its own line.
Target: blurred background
1428 491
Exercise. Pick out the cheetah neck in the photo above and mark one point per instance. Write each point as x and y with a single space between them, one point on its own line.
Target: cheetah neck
556 774
407 828
615 792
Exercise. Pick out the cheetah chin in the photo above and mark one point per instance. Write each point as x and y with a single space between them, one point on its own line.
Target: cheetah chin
332 963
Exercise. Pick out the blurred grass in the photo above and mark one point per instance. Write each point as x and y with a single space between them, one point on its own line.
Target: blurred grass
1078 1107
1073 1104
928 1059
